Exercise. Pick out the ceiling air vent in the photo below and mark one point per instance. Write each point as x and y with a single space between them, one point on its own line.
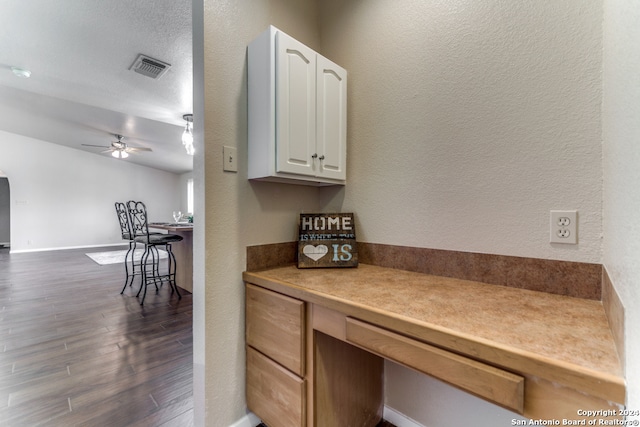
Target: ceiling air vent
149 67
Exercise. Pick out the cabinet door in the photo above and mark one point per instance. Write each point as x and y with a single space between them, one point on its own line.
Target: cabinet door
331 119
295 106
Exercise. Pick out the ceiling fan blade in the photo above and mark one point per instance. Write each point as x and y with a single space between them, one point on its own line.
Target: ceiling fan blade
137 149
109 150
99 146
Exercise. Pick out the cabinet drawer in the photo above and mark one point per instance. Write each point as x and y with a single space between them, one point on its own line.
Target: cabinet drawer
275 327
273 393
493 384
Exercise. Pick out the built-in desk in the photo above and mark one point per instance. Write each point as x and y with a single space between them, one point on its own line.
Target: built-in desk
537 354
182 250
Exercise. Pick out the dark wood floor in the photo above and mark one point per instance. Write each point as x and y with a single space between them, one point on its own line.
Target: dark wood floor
74 352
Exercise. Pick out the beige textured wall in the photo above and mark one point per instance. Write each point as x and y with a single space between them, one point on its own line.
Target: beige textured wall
621 139
469 121
238 213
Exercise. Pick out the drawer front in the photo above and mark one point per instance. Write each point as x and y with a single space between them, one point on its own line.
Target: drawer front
273 393
275 327
496 385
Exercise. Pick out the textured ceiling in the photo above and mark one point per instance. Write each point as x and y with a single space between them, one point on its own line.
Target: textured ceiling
81 90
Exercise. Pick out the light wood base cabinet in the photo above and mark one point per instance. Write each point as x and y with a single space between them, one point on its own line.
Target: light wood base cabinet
297 376
275 327
275 386
275 394
316 359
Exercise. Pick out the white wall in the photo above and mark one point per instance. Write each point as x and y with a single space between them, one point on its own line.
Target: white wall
468 122
63 198
621 141
238 213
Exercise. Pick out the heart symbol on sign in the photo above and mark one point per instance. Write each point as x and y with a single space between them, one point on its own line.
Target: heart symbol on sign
315 252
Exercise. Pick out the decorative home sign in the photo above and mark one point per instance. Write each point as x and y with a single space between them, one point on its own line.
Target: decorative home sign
327 240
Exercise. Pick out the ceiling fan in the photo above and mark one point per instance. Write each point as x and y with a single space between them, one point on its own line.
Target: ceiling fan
119 149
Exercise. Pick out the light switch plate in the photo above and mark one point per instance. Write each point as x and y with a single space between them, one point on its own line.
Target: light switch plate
230 159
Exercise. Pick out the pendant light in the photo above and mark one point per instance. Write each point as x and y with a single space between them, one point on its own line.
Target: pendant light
187 135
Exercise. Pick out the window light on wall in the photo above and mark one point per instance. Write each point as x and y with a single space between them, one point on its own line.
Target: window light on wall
190 195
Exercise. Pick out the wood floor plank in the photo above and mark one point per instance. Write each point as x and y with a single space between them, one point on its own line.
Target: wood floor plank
35 415
73 351
179 414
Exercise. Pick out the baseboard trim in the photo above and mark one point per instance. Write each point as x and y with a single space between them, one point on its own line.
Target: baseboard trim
398 419
389 414
249 420
22 251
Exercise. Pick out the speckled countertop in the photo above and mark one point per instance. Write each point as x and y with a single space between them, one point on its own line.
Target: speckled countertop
531 332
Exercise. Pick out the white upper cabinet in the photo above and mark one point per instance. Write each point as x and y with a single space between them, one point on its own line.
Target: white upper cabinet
297 113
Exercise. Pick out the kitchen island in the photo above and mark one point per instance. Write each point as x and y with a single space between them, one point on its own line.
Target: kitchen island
537 354
182 250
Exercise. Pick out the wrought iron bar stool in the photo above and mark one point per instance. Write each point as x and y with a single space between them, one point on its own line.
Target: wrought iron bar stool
151 241
127 234
125 231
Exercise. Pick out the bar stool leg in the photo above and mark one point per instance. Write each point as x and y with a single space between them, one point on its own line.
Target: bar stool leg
155 267
126 266
133 263
143 266
172 271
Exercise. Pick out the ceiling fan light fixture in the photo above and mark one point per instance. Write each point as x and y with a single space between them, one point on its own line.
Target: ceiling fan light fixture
187 135
120 154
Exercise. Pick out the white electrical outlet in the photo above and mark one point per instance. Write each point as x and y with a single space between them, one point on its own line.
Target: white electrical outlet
564 227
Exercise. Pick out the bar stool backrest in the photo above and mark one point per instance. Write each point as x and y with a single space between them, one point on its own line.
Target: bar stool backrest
138 216
123 219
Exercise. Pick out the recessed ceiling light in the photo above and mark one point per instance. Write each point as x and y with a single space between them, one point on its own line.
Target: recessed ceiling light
21 72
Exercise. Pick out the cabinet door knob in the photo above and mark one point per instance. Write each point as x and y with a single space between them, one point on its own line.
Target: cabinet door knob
322 157
314 156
